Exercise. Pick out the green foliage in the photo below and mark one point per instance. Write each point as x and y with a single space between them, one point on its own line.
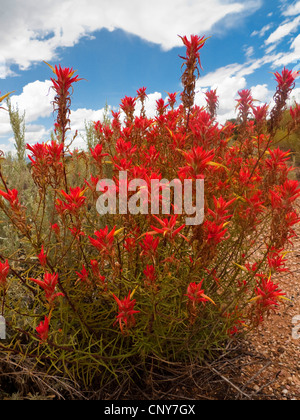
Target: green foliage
287 139
17 122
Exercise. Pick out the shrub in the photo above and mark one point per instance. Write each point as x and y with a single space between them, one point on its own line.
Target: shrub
93 297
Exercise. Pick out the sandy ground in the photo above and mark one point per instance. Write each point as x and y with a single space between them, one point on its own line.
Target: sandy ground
277 342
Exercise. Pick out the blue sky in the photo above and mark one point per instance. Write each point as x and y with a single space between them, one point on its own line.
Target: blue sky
119 46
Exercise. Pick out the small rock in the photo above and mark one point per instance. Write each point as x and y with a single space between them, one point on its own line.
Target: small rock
285 392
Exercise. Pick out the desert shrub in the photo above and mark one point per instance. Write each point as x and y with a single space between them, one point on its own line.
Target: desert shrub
96 297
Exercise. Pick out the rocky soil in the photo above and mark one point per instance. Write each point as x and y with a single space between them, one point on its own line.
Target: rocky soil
276 345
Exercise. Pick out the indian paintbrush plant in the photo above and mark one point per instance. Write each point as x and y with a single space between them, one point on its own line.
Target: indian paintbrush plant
93 297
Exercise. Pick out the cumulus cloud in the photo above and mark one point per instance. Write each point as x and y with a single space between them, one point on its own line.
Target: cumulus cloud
35 100
33 31
261 93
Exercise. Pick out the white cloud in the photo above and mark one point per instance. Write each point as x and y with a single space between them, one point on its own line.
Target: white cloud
33 31
263 31
292 10
283 30
261 93
283 59
35 100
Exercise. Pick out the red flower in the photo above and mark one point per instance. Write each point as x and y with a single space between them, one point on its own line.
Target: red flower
12 197
97 153
126 311
277 160
260 113
64 79
197 160
105 240
214 233
268 294
128 107
220 214
83 275
150 275
290 190
277 262
244 104
295 113
168 228
130 244
193 47
48 285
4 270
96 271
94 183
195 293
43 257
125 149
73 201
212 102
76 232
141 94
40 153
45 154
56 229
43 329
172 99
286 79
149 245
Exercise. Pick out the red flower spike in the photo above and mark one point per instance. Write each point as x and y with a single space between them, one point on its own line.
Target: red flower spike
193 47
197 161
42 257
141 94
105 240
212 102
64 79
268 294
96 271
43 330
277 159
196 295
126 312
97 153
4 271
277 262
168 228
48 285
286 79
220 214
83 276
215 233
73 201
149 245
130 245
150 276
245 105
56 229
12 197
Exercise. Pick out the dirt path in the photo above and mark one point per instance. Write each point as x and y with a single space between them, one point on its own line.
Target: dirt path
278 371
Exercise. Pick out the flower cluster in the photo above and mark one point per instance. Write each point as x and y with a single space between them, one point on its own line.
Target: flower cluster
193 285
